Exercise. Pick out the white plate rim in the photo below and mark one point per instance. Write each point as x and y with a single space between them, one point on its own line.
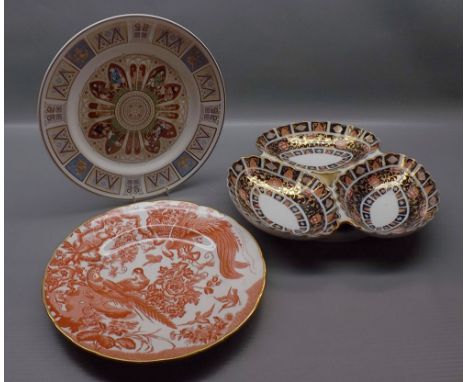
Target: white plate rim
181 179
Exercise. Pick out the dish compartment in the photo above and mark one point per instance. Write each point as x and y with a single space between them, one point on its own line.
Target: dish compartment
282 200
320 147
389 194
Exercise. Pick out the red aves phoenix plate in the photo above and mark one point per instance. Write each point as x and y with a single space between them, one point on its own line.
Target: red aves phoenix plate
153 281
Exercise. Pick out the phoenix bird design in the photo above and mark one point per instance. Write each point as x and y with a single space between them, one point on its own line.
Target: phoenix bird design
230 300
137 282
122 292
219 231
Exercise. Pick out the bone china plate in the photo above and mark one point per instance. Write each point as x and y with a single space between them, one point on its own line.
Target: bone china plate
131 106
313 177
153 281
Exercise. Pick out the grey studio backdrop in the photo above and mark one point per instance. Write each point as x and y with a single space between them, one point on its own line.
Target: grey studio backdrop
361 310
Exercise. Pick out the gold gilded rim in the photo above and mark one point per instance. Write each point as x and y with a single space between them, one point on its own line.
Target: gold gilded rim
380 153
203 348
343 219
262 147
273 231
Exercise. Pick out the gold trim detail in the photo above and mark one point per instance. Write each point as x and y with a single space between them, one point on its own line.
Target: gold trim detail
260 283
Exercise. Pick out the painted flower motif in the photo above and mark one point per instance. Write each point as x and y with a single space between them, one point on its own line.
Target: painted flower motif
73 252
116 261
63 257
374 180
125 239
283 145
113 271
187 252
316 219
210 284
127 255
167 217
56 277
132 109
90 319
116 225
341 144
413 192
119 327
173 289
108 304
203 333
275 182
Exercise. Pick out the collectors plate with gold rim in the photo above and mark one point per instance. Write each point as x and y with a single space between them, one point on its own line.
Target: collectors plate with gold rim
131 106
154 281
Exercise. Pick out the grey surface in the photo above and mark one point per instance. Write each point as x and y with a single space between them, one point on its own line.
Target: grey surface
367 310
269 51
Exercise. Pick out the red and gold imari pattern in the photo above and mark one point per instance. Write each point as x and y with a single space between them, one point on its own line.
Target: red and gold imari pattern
348 180
133 108
153 281
414 194
349 144
309 202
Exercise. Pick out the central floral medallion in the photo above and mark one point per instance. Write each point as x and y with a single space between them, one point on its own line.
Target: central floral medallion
133 108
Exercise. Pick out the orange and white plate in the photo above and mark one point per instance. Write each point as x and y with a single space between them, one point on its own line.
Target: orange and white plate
154 281
131 106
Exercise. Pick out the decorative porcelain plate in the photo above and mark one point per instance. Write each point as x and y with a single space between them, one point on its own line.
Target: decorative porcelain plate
131 106
313 177
154 281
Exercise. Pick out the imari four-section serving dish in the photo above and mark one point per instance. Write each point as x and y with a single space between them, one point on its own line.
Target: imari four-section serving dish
131 106
313 177
154 281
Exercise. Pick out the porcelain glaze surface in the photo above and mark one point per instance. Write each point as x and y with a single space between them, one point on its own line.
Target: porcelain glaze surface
313 177
320 147
389 194
281 199
131 106
153 281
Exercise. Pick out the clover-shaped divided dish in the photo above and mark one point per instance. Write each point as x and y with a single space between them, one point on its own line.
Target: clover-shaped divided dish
314 176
